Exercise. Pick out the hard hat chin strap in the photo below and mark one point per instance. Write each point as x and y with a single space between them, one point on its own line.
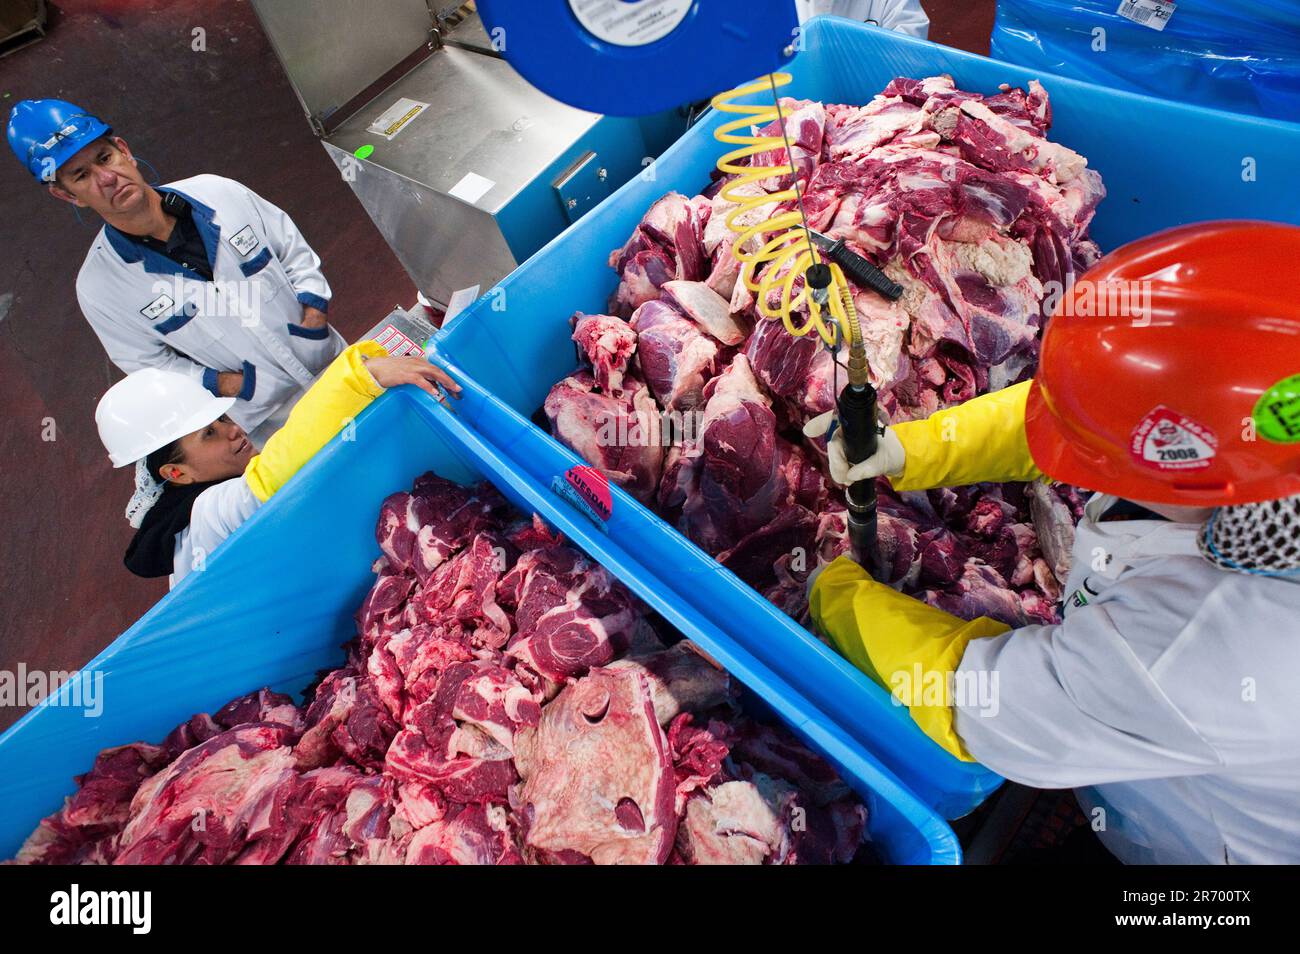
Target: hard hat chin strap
157 179
1260 538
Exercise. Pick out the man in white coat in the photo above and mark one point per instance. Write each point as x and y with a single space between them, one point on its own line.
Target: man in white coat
1166 696
202 276
901 16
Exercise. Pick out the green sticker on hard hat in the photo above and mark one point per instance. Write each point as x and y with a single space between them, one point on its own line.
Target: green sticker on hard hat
1277 412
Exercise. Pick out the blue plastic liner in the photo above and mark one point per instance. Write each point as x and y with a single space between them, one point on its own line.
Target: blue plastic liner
1164 164
1243 56
275 603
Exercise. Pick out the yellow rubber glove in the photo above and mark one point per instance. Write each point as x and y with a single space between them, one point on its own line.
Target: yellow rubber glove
978 440
341 393
887 635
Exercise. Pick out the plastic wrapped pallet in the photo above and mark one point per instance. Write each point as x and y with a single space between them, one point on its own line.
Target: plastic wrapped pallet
1243 56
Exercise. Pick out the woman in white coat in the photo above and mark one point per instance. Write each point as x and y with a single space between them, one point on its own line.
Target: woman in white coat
198 477
1166 696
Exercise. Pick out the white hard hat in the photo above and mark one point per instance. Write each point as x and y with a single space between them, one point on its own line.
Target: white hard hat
149 409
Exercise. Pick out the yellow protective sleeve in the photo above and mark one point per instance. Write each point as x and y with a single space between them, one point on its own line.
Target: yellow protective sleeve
909 648
341 393
978 440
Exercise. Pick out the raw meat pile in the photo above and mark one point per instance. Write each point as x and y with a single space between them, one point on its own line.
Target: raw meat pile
505 702
694 401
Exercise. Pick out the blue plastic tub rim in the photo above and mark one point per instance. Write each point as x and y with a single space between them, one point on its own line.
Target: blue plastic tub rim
907 830
813 28
800 714
1082 108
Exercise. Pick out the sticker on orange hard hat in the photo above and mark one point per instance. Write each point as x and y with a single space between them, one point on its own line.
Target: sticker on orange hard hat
1167 440
1277 412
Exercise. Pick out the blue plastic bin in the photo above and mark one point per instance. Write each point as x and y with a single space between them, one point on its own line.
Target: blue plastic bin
276 601
1164 164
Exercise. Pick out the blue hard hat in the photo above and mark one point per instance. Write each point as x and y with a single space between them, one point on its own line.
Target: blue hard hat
46 133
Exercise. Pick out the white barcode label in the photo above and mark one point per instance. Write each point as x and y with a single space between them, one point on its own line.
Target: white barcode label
1152 13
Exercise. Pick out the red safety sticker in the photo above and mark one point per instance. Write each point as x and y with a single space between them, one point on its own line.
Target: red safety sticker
1167 440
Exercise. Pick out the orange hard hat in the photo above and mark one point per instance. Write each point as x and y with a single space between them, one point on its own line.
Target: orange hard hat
1170 372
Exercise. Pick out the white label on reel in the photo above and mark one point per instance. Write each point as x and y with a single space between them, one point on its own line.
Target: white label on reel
634 23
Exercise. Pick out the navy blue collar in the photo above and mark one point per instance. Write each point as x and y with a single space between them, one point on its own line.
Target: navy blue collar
131 251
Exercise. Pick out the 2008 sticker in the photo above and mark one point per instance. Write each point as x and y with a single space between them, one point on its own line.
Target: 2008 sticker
1167 440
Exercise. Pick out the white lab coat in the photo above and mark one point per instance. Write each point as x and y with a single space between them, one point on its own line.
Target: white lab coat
1169 690
151 312
217 513
901 16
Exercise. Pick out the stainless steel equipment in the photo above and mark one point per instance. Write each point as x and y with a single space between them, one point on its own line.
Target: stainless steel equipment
475 169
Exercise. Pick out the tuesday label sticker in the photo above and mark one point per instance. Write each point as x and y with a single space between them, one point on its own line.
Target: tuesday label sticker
587 489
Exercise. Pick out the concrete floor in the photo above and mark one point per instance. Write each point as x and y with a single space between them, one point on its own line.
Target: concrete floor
64 591
965 24
229 111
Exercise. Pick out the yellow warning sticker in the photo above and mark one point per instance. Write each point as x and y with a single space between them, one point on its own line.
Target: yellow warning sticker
396 117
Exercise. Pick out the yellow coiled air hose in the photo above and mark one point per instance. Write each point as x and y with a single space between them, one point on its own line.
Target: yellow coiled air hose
785 250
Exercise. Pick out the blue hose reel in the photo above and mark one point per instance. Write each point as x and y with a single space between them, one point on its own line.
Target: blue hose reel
636 57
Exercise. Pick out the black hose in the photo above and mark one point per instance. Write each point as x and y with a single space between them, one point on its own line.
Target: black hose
857 414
